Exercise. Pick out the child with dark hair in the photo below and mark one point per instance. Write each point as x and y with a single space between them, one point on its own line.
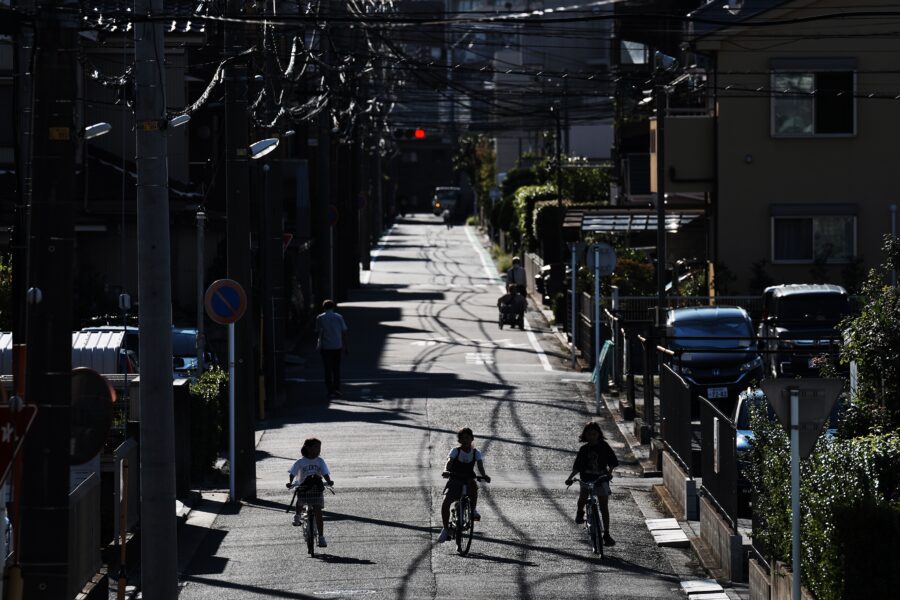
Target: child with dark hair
309 471
461 463
595 458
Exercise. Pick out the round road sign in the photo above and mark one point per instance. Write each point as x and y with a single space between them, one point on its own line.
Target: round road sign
333 215
92 414
225 301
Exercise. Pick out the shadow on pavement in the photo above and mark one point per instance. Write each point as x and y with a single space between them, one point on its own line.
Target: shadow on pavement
250 589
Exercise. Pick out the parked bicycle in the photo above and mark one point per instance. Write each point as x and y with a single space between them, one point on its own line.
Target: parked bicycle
593 523
307 502
462 517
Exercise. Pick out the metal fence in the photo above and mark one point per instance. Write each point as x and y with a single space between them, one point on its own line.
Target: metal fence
84 533
675 416
718 459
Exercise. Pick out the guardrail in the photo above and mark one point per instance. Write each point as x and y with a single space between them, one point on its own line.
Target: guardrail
718 460
675 417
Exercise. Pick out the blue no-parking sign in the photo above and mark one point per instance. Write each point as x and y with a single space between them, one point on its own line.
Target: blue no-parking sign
225 301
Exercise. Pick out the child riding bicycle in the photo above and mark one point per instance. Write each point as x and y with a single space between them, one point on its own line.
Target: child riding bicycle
460 467
595 458
310 470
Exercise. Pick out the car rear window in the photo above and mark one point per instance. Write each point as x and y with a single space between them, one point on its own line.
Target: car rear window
829 308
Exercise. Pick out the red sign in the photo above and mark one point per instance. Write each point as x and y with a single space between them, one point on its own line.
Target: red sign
13 427
286 241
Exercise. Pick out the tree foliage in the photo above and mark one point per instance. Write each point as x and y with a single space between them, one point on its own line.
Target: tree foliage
850 485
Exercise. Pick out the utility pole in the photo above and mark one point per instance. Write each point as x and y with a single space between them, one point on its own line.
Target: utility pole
661 100
159 548
44 506
201 334
559 203
237 206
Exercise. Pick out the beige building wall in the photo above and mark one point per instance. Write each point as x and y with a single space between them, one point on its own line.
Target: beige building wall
756 170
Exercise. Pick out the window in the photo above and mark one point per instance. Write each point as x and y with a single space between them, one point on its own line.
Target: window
812 103
804 239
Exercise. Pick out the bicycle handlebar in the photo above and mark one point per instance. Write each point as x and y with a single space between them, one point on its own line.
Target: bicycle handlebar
601 479
449 475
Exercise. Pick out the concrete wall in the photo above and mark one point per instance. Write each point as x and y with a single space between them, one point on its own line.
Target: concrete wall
682 489
759 580
725 546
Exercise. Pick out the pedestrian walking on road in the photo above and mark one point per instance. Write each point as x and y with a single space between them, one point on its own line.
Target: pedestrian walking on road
461 463
309 470
515 276
332 332
448 221
595 458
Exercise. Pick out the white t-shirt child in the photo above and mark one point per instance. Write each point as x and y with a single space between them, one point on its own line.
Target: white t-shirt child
306 467
465 457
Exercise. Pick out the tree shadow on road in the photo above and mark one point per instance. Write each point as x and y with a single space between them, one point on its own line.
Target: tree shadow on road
500 559
343 560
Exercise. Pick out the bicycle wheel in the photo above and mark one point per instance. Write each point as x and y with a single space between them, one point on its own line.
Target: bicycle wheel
596 530
459 527
310 530
468 528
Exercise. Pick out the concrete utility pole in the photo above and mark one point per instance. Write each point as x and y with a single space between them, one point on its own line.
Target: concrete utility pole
159 549
661 201
237 206
44 506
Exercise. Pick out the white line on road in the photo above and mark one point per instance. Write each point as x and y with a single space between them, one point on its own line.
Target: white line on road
531 337
367 275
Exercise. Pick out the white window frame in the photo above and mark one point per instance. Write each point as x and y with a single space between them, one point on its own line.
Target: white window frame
812 71
831 261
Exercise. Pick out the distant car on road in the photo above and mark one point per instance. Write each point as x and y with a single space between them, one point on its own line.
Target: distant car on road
714 351
799 325
445 198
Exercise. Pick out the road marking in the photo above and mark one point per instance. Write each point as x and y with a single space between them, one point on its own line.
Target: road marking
367 275
479 358
531 337
345 593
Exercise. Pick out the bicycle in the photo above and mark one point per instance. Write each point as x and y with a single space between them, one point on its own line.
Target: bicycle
462 522
593 523
307 517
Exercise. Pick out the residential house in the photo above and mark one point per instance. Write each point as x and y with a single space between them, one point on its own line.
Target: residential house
799 137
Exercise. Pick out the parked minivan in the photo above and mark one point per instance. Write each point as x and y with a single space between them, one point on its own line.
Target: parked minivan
799 325
714 351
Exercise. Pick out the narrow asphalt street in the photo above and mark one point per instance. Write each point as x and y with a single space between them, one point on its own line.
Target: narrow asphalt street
426 358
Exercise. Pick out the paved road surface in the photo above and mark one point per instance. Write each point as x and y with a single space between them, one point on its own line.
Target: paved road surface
426 358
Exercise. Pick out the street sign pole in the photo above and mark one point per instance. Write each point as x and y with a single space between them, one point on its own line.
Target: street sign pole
574 320
795 493
597 323
803 421
226 303
231 490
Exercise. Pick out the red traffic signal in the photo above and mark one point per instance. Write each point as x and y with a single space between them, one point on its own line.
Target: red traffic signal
410 134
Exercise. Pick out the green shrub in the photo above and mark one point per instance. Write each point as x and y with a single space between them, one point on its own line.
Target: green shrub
519 177
209 399
501 259
524 201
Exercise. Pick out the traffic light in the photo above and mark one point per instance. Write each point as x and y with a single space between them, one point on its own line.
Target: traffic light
410 134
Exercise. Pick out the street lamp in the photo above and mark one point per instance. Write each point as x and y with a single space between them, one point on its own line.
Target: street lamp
96 130
179 120
263 147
